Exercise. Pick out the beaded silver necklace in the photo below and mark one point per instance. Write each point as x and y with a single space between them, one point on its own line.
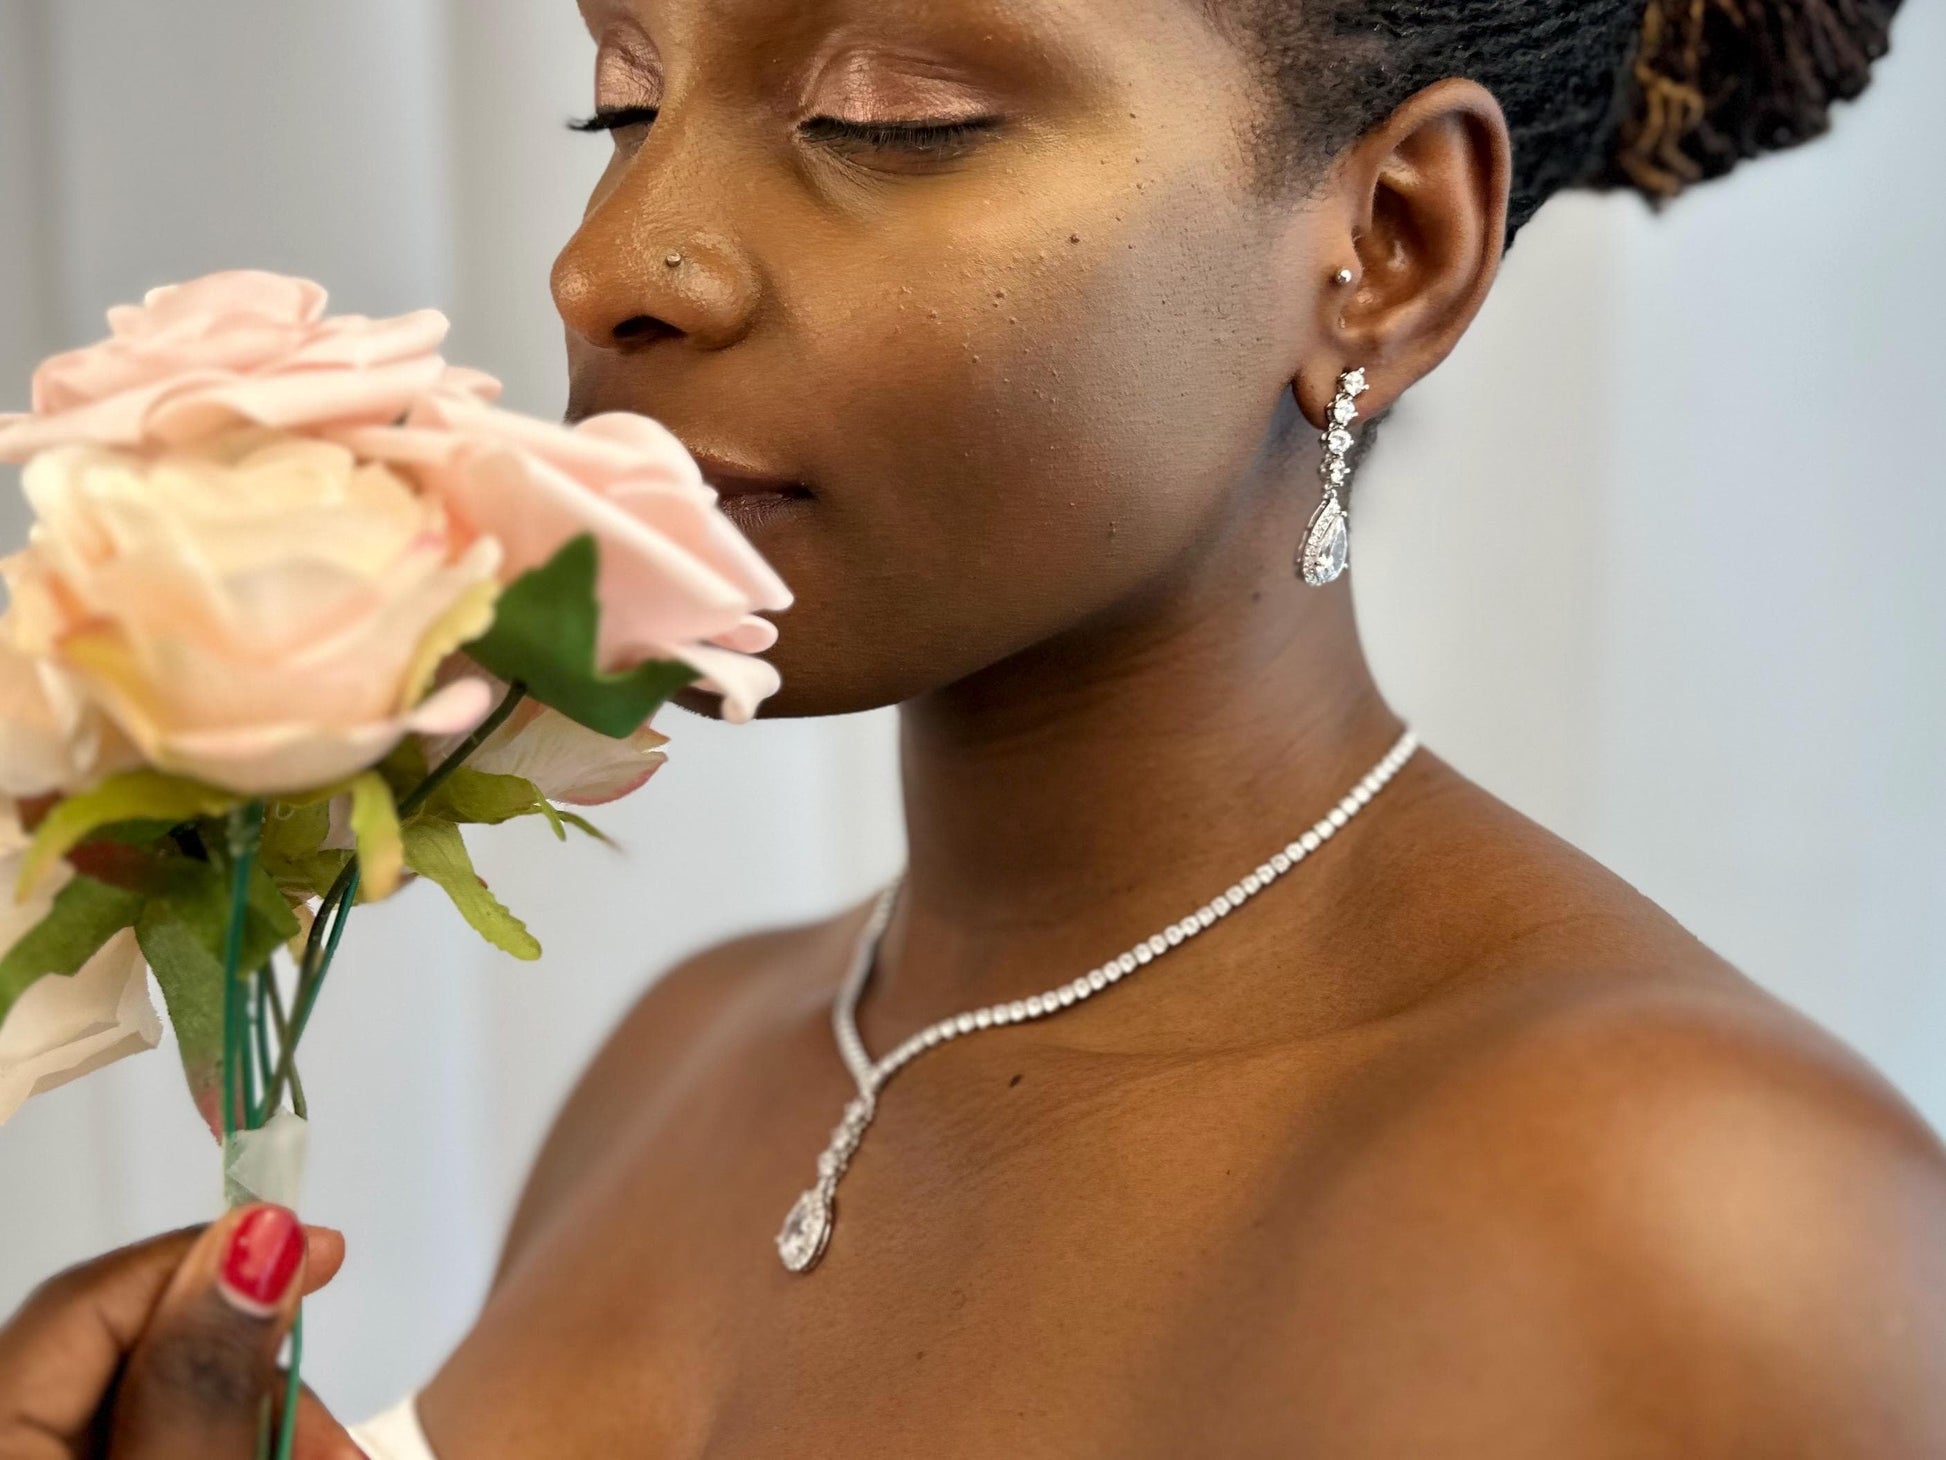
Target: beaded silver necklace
807 1229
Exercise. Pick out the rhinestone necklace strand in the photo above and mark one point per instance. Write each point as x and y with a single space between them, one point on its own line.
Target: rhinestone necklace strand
807 1229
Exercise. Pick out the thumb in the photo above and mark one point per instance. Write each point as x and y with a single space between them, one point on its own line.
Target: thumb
63 1353
199 1375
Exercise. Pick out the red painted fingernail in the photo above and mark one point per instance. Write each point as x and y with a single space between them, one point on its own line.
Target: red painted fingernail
262 1259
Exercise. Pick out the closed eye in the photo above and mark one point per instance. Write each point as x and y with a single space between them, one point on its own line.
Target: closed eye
616 119
915 138
918 137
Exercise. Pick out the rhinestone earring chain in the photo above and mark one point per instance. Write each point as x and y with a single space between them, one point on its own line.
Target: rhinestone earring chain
1327 541
807 1229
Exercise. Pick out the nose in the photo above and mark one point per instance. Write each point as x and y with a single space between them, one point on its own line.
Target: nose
635 274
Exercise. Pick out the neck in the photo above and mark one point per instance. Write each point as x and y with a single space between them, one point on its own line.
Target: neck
1070 801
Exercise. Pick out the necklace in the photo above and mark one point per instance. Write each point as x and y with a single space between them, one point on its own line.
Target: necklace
807 1228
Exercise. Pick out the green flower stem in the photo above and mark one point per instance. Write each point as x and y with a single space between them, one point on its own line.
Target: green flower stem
260 1027
244 831
516 692
293 1391
251 1041
274 1001
329 924
318 948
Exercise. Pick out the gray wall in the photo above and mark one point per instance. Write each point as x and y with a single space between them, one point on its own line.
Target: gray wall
1650 556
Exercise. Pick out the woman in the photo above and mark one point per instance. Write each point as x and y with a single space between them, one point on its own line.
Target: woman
1009 332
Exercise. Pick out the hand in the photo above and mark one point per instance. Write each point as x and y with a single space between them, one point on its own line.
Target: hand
167 1350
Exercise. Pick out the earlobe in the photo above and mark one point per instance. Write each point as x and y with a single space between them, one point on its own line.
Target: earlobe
1425 207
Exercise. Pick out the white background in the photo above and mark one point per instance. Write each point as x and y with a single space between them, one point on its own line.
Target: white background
1655 555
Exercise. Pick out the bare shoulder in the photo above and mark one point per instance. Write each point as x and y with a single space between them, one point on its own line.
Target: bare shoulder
680 1016
1631 1215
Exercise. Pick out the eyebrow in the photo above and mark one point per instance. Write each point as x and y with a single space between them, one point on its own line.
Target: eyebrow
1046 44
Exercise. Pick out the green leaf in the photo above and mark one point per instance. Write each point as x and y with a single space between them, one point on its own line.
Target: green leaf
485 799
405 767
191 979
134 833
144 795
582 824
85 914
436 851
375 827
182 933
545 628
291 853
197 895
293 831
270 908
313 874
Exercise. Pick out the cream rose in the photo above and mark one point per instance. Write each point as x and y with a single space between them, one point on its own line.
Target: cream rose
676 578
61 1028
264 614
233 348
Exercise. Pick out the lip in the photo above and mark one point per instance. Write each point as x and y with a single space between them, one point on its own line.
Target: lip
750 496
736 478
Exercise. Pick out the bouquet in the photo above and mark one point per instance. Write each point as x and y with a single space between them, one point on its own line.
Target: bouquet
298 603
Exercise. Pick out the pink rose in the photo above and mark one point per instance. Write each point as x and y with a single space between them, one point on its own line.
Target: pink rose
229 349
676 578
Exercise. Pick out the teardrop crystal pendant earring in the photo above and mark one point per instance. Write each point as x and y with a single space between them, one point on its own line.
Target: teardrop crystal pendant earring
1327 541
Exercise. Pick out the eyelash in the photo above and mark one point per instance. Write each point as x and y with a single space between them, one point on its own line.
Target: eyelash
921 137
615 119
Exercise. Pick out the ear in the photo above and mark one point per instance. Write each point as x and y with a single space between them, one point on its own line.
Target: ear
1417 209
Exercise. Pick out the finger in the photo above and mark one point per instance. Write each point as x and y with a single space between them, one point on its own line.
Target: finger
198 1378
61 1351
319 1435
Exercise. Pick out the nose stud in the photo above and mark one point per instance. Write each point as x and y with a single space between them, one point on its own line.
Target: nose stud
673 261
1343 276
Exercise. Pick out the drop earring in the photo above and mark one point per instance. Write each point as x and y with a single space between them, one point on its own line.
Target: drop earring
1326 550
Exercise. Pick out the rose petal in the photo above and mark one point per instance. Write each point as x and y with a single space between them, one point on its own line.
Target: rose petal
454 709
252 293
368 395
356 343
237 346
752 635
118 420
50 739
743 682
460 380
567 761
61 1028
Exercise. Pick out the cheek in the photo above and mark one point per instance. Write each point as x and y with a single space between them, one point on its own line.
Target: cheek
1038 417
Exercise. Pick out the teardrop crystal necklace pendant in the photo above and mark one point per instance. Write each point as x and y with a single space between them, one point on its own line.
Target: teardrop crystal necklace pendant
807 1229
1327 541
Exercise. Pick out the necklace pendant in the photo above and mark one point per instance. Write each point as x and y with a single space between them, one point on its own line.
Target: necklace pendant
807 1227
806 1230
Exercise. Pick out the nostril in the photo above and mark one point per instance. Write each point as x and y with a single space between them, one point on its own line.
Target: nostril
643 327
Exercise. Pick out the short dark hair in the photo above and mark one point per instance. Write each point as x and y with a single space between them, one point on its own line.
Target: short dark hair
1652 95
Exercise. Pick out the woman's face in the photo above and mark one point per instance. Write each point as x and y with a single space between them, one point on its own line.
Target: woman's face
977 295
